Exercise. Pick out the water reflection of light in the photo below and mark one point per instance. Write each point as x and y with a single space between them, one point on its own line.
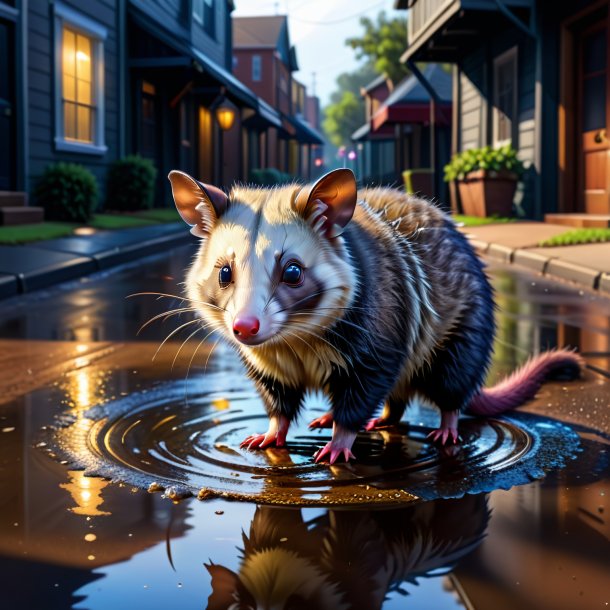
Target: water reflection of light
81 348
86 493
83 394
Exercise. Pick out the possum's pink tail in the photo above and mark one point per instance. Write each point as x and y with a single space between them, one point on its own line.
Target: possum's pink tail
522 385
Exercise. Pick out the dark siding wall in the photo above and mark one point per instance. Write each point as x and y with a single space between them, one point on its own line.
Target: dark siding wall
473 104
214 47
41 110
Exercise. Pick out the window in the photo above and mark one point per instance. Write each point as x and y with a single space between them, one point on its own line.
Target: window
256 68
79 82
505 97
204 13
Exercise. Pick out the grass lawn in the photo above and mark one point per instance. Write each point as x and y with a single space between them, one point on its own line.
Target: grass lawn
477 221
578 236
22 234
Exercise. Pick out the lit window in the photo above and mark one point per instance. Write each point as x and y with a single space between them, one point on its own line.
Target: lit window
78 108
505 97
79 82
256 67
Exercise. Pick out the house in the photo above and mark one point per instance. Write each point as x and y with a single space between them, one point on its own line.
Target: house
407 128
533 74
264 60
90 82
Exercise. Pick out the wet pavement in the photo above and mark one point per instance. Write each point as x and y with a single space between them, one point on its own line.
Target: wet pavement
71 541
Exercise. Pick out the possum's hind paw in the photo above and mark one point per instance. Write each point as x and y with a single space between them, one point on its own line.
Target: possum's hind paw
442 435
448 428
333 453
324 421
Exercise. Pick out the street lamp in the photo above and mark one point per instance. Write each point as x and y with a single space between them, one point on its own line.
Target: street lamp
225 113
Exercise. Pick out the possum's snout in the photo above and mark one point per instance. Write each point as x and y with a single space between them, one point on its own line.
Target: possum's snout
251 329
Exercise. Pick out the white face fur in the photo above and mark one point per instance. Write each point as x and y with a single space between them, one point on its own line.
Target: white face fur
283 274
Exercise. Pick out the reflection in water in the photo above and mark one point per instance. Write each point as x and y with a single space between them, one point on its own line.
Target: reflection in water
345 559
86 493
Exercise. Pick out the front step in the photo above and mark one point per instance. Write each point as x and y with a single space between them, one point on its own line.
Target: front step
13 199
579 220
17 215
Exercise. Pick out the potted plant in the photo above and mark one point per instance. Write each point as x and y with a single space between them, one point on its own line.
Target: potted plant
486 178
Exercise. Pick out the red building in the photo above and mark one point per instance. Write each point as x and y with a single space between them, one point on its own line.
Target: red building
264 60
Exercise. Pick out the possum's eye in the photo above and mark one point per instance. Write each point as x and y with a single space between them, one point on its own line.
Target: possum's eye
293 274
224 276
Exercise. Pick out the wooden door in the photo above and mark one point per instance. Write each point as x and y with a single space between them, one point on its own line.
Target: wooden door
7 112
594 94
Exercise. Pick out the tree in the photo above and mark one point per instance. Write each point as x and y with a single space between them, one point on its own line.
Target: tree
382 43
345 113
381 46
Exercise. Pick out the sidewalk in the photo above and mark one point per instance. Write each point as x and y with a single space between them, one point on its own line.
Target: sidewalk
44 263
588 264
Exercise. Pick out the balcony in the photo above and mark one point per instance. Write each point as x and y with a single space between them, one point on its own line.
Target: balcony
438 29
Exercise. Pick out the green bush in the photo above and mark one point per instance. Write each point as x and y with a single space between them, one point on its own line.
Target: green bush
493 159
269 176
130 184
68 192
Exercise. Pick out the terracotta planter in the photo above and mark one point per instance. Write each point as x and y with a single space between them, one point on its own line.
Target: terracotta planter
488 193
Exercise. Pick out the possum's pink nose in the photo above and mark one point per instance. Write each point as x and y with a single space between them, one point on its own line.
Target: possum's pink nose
245 327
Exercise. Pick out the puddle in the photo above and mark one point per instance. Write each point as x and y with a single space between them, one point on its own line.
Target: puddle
162 440
82 542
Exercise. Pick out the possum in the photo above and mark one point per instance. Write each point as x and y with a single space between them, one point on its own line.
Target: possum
371 296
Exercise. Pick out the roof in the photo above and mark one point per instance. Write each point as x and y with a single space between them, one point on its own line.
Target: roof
411 91
376 82
409 102
257 31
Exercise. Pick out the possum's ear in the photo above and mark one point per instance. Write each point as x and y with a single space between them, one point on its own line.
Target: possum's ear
227 588
330 203
200 205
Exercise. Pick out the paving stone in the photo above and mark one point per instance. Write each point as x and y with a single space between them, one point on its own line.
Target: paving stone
8 285
36 268
573 272
531 260
604 282
500 252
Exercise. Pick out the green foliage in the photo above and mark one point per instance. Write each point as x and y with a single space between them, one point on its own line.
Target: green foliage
68 192
578 236
269 176
343 118
382 43
130 184
22 234
493 159
477 221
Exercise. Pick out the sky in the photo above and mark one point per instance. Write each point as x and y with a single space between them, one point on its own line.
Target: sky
318 29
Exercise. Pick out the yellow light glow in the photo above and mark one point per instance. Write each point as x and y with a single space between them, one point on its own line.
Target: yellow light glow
84 231
81 56
225 117
90 537
81 348
83 393
86 493
221 404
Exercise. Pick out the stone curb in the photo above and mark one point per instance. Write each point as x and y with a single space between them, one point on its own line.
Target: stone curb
67 264
531 260
574 273
604 282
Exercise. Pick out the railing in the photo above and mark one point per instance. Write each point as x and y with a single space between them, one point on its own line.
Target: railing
422 13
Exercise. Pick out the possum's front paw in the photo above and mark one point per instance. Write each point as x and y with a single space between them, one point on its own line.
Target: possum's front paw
275 435
340 445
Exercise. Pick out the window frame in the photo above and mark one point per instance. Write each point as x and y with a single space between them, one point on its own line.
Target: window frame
197 10
259 61
511 55
65 16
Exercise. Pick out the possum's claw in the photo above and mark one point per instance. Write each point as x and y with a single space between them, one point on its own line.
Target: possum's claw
448 428
442 435
341 444
376 422
334 453
276 435
324 421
